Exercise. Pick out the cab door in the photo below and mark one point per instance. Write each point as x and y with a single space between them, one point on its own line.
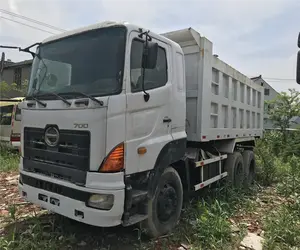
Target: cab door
148 123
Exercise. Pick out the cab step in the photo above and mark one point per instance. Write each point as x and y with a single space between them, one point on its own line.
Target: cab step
134 219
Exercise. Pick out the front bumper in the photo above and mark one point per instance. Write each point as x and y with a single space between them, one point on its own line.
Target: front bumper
66 201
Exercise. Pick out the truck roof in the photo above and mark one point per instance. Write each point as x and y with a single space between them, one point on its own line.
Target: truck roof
108 24
84 29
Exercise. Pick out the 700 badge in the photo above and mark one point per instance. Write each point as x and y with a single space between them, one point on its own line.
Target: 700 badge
81 125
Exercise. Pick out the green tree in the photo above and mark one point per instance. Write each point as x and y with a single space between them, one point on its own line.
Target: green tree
284 107
6 89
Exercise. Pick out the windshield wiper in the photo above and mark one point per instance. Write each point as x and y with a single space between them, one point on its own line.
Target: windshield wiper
82 94
57 95
37 100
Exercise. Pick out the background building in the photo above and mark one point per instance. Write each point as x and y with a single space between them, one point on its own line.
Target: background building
270 94
16 72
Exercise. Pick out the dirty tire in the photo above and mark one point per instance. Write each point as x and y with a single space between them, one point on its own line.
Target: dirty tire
234 166
164 207
249 165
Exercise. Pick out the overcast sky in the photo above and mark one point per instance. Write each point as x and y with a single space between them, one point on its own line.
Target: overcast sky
254 36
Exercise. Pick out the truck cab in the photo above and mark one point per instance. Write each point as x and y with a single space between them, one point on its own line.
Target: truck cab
86 125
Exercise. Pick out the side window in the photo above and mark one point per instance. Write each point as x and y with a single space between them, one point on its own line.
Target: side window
5 115
154 78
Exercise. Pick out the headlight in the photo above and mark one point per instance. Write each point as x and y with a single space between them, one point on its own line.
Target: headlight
101 201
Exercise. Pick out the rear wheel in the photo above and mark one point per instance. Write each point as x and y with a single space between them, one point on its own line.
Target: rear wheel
249 163
164 207
235 169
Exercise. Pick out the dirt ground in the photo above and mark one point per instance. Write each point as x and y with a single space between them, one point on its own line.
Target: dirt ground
250 217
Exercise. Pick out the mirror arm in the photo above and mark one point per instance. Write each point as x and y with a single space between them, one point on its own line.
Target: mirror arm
148 38
146 94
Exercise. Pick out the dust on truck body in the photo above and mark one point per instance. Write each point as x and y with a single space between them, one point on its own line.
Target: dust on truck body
120 123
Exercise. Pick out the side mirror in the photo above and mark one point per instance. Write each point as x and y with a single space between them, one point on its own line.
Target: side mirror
298 68
18 117
150 55
298 62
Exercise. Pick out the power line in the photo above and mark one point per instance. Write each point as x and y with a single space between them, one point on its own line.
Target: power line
33 27
276 79
279 79
31 20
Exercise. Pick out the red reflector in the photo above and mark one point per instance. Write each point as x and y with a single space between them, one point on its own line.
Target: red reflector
204 137
15 138
218 136
201 185
202 163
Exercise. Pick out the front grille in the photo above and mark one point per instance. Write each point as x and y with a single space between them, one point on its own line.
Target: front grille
55 188
72 152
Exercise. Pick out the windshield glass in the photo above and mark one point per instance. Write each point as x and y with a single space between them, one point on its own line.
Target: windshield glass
90 62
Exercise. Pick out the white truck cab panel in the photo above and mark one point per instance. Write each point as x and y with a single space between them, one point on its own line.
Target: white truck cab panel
150 124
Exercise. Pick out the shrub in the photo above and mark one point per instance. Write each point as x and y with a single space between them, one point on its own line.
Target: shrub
282 229
290 182
210 226
266 162
9 159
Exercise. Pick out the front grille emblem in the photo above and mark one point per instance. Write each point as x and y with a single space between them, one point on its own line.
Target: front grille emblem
52 136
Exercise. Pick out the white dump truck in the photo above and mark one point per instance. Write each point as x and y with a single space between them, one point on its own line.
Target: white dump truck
120 123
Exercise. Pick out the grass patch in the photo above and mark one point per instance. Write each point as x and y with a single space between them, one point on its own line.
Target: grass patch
38 234
283 227
210 227
9 159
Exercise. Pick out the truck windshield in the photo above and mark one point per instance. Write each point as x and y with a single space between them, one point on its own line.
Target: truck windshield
91 62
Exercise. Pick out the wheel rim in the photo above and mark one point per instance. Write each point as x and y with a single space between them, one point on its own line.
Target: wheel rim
166 203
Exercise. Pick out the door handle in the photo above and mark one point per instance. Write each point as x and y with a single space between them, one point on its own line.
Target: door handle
167 120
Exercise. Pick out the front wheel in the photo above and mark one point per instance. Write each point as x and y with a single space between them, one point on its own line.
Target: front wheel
164 207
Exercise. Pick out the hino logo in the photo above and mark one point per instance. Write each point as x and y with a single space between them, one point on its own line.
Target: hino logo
52 136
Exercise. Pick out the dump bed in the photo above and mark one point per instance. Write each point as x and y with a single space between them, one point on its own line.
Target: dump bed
221 103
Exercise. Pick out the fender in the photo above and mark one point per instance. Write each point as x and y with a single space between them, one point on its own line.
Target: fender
170 153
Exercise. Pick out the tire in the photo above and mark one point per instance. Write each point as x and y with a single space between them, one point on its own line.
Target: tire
250 166
235 169
164 207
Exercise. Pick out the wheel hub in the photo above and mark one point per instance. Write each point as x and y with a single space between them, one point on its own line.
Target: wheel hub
166 203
